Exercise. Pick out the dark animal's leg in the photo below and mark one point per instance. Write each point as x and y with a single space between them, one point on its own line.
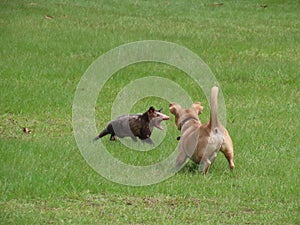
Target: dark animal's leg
112 132
112 137
133 138
148 140
108 130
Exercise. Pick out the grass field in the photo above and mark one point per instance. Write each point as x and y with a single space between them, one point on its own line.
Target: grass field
253 49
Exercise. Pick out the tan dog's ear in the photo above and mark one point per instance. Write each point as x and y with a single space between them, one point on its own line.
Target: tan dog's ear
198 107
172 108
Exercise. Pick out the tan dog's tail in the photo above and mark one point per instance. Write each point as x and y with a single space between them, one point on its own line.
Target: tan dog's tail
214 121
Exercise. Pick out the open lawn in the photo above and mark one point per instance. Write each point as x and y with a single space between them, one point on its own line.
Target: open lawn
252 48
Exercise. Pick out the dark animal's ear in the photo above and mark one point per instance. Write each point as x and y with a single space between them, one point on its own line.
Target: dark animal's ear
161 109
151 109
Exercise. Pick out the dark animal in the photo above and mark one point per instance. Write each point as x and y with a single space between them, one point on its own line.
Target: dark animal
135 125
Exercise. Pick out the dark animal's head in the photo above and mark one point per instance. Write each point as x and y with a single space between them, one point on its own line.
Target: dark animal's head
156 117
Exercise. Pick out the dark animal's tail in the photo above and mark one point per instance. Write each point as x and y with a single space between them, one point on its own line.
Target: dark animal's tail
102 134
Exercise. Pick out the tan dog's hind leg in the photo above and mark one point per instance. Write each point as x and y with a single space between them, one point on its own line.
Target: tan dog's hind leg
227 149
215 141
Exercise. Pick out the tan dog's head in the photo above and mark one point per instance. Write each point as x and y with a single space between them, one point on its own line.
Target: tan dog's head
182 114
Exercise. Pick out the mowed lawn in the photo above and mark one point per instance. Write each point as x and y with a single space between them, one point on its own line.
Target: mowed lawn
252 48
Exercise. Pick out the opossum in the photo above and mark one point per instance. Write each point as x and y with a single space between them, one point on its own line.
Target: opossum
135 125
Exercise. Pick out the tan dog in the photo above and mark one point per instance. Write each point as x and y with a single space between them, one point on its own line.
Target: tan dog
201 142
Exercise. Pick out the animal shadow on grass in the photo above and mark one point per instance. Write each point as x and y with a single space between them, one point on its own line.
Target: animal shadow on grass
190 167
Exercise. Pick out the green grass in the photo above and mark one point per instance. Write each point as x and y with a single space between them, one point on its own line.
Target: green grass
253 52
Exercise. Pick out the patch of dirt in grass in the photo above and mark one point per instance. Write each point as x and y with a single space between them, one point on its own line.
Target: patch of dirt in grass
14 126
